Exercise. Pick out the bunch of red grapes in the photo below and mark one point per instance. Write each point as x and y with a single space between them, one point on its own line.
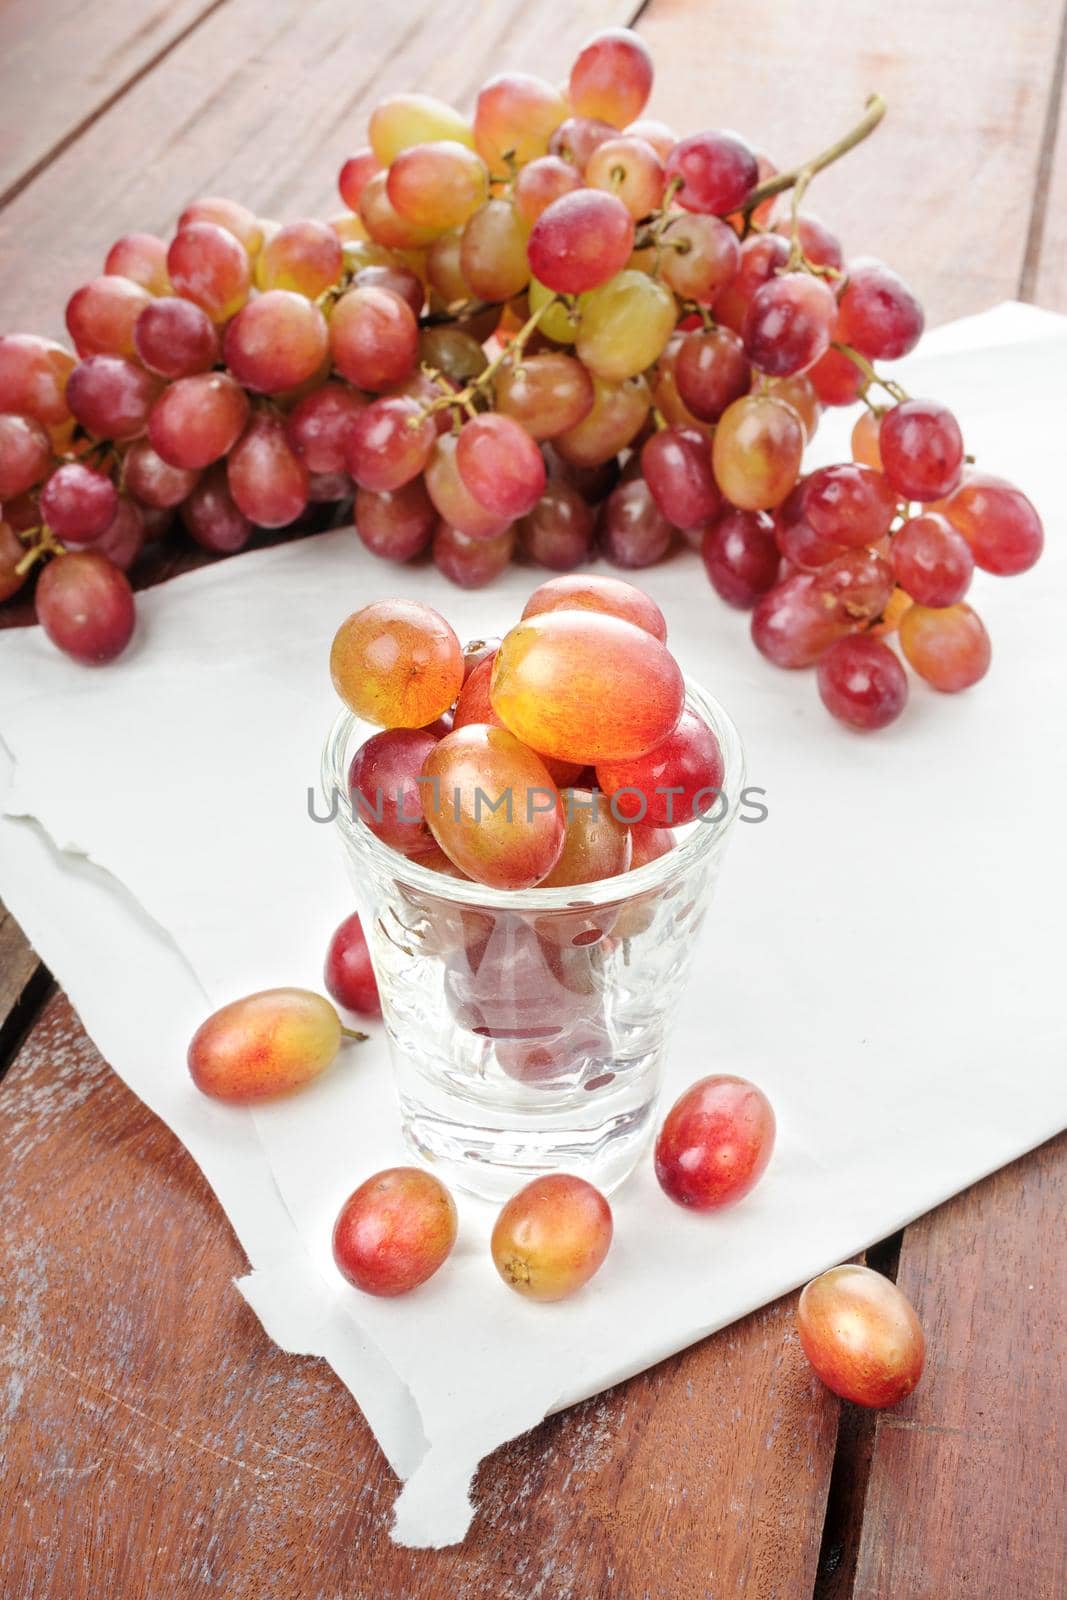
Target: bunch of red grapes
552 328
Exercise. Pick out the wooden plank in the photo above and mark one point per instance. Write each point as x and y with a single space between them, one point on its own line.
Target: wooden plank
23 982
263 102
968 1486
943 189
1045 272
155 1442
66 60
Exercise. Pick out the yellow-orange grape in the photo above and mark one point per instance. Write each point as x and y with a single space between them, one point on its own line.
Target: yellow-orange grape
551 1237
612 77
861 1335
397 663
438 185
102 315
401 120
757 451
304 256
586 687
394 1231
264 1045
591 592
631 169
228 214
443 269
595 845
949 647
558 322
492 253
865 447
624 326
492 807
615 418
383 221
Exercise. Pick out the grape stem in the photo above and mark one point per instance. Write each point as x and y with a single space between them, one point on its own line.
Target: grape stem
802 175
895 389
354 1034
45 544
463 399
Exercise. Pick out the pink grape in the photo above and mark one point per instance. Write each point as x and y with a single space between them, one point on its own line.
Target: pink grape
617 414
515 116
374 338
210 267
85 606
101 316
795 621
932 561
25 454
471 563
836 380
267 479
438 185
689 761
576 138
949 646
111 397
33 378
123 538
757 451
630 169
355 174
175 338
849 504
211 517
78 503
580 241
383 784
320 427
154 481
633 530
397 523
789 324
500 465
700 256
676 463
229 215
611 77
999 523
390 443
383 221
711 370
741 555
760 260
558 532
546 393
922 449
861 682
717 170
879 314
198 419
349 972
819 244
454 502
492 253
329 487
276 342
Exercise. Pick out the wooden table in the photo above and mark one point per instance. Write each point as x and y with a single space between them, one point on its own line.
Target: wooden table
154 1442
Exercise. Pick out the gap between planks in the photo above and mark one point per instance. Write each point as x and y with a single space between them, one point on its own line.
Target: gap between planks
1035 236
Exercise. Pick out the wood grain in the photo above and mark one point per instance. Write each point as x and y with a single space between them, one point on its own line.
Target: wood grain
64 60
943 189
22 982
1045 273
155 1442
263 101
968 1487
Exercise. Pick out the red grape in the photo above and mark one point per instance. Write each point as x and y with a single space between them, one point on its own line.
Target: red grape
85 606
454 501
382 782
837 380
123 538
211 517
630 169
789 323
922 449
757 451
25 455
676 464
276 342
397 663
717 170
879 314
551 1237
229 215
540 182
861 682
761 258
468 561
374 338
865 447
792 625
320 427
633 530
700 256
111 397
861 1336
676 781
821 247
547 393
580 241
438 185
102 314
304 256
711 371
715 1143
396 524
395 1231
198 419
389 443
141 257
741 555
267 479
12 550
383 222
348 973
999 523
949 647
33 378
451 351
210 267
500 465
932 561
354 176
175 338
154 481
78 503
848 504
558 532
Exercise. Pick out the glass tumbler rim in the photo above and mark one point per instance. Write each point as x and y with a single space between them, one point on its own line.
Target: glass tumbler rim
701 837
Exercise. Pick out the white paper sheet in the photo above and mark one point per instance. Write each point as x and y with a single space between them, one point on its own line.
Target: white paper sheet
883 957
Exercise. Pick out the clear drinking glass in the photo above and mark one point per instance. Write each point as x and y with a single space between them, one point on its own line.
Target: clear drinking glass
528 1027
